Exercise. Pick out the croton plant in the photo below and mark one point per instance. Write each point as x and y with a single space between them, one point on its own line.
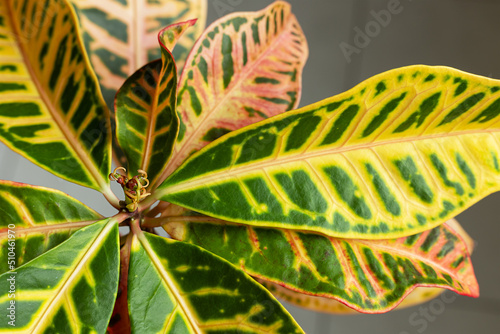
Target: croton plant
343 204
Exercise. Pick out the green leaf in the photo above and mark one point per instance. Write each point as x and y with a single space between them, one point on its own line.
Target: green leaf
180 288
146 121
371 276
69 289
121 36
51 108
396 155
37 219
244 68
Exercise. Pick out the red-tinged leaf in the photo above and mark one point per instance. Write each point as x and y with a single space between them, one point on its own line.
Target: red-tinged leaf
244 68
371 276
327 305
466 238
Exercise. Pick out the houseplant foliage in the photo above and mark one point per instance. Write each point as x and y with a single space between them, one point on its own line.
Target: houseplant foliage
122 36
349 199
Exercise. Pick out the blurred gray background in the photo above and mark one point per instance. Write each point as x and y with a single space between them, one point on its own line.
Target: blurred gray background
459 33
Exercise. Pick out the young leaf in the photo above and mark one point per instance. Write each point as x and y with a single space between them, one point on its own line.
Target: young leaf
180 288
37 219
52 111
398 154
327 305
244 68
146 121
121 36
69 289
371 276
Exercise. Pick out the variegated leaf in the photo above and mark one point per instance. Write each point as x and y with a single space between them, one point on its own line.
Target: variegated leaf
321 304
146 121
121 36
175 287
120 319
244 68
398 154
69 289
36 219
371 276
327 305
51 109
459 230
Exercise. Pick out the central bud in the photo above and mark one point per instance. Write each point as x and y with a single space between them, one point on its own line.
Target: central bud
134 188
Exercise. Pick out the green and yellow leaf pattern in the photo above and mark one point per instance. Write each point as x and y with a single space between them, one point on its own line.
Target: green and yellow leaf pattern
51 109
146 121
69 289
244 68
36 219
327 305
371 276
396 155
121 35
175 287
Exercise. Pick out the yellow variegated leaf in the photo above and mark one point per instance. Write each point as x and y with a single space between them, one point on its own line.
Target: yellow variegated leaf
121 35
396 155
69 289
244 68
51 109
35 219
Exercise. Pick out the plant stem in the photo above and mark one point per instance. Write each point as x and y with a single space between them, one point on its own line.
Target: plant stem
121 216
135 227
148 201
162 206
111 198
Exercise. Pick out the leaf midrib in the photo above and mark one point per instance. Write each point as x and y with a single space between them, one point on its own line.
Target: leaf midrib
69 279
232 170
152 115
170 284
49 228
77 148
